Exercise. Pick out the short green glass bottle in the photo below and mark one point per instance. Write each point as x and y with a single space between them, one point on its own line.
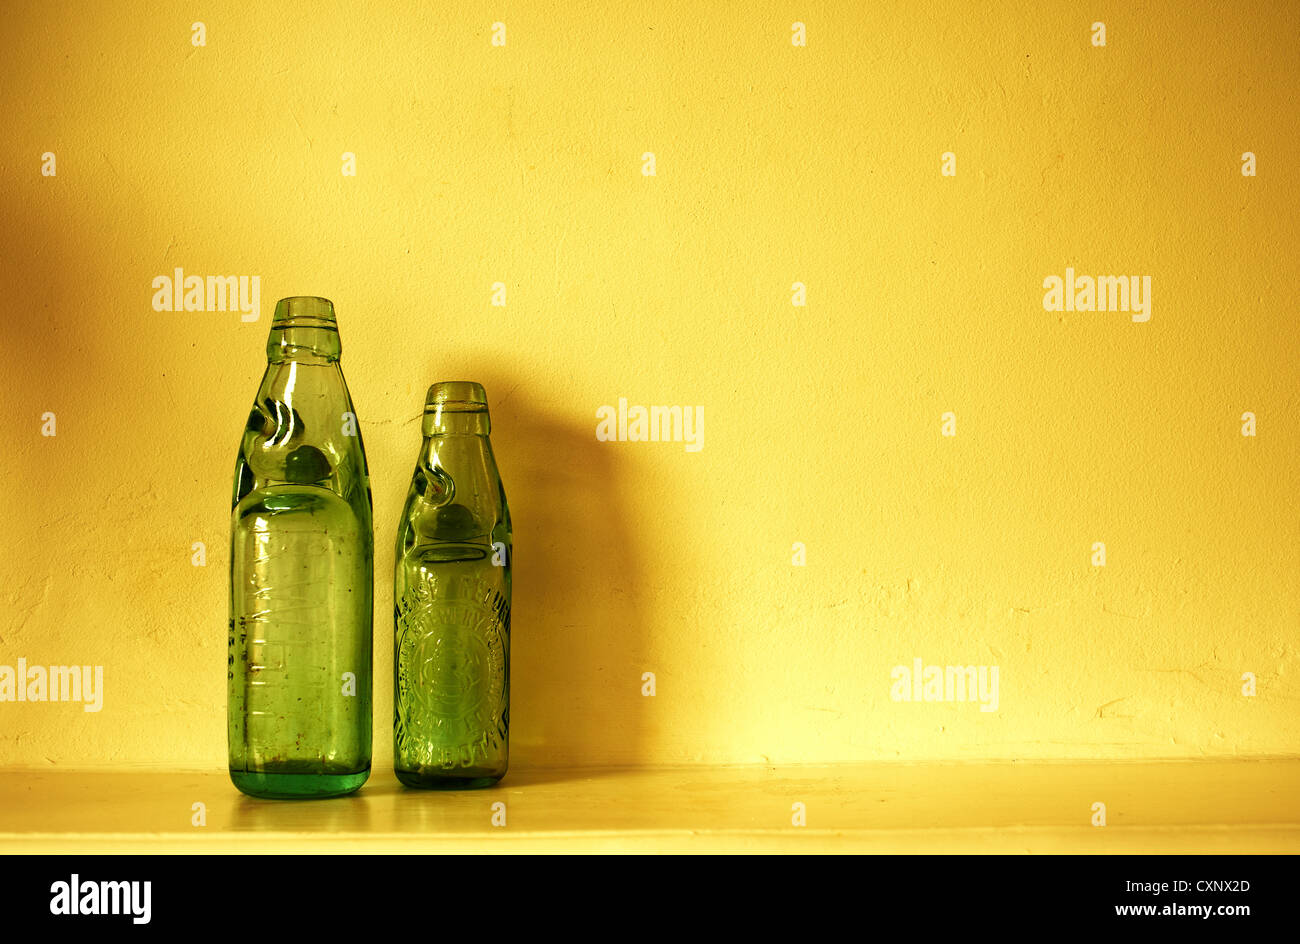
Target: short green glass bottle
301 573
451 652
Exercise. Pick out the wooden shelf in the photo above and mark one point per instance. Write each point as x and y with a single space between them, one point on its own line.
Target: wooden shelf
1175 807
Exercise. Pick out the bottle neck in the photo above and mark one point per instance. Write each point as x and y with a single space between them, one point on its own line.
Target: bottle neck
439 423
456 455
455 459
458 446
304 331
303 345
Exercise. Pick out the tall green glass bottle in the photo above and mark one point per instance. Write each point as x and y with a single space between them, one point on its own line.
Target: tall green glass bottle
451 653
301 572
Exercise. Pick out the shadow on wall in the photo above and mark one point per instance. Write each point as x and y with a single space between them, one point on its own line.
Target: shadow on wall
577 636
101 368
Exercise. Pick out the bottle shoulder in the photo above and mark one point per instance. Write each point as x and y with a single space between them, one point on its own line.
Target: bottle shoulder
474 519
302 430
282 501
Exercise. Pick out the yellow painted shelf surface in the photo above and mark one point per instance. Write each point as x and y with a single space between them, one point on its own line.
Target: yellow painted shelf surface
1171 807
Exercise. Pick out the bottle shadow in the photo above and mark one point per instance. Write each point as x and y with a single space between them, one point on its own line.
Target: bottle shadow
577 636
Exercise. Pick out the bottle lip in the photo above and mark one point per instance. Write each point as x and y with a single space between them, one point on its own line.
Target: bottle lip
304 311
455 396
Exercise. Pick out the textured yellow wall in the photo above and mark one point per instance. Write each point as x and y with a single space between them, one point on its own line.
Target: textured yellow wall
775 164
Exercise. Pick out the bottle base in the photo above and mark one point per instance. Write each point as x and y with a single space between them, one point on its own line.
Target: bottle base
468 779
297 785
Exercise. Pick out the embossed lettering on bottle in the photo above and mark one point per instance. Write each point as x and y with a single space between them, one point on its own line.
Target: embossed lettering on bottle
451 650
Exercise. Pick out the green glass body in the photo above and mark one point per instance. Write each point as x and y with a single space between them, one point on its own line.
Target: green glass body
301 573
451 651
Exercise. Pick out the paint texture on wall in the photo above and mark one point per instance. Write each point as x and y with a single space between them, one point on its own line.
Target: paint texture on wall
841 252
